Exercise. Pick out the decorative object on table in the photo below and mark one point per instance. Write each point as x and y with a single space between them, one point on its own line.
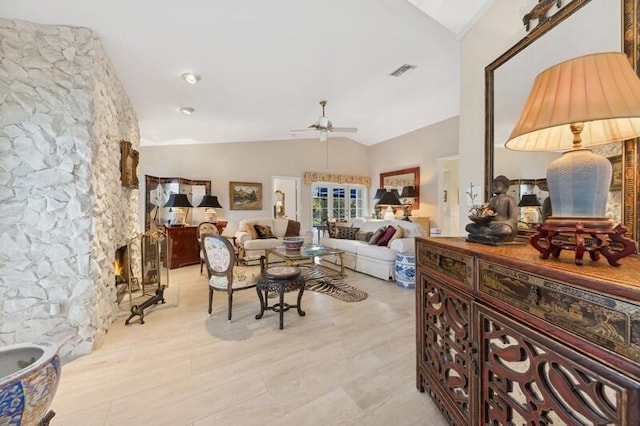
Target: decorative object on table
407 196
495 222
406 270
281 279
29 377
245 195
390 200
585 101
139 309
530 208
324 126
176 204
292 243
158 190
210 203
129 159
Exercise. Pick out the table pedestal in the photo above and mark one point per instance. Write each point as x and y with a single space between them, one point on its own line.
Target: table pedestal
594 235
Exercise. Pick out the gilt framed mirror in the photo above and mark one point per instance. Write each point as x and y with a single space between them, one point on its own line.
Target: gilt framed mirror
575 28
398 179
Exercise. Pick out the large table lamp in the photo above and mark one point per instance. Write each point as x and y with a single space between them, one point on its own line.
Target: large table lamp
176 203
210 204
585 101
390 200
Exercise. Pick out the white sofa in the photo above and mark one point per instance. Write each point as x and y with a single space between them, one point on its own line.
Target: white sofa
378 261
253 248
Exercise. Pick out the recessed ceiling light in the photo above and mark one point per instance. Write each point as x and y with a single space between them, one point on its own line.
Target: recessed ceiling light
187 110
191 78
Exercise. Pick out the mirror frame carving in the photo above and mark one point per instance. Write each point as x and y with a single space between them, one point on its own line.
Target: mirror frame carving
630 46
416 181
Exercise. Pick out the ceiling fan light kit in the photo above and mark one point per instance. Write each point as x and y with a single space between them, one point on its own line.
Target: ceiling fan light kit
191 78
187 110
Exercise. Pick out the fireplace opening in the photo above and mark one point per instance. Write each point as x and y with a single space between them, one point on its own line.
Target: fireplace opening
121 265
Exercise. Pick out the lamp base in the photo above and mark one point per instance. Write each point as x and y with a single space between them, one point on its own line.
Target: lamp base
596 235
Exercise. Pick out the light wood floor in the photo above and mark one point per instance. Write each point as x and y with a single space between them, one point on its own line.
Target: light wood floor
341 364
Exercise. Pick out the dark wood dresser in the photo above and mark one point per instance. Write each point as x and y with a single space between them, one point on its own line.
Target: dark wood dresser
504 337
182 245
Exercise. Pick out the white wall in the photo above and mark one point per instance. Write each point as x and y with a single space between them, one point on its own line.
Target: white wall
254 162
421 148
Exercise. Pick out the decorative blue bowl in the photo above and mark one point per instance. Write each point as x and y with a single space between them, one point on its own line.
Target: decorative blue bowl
29 376
292 243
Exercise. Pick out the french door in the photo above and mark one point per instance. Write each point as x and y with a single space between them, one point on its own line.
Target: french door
342 202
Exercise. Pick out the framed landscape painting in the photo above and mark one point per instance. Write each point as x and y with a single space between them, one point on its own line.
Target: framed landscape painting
245 195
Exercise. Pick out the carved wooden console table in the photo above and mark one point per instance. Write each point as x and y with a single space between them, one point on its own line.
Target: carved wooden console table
504 337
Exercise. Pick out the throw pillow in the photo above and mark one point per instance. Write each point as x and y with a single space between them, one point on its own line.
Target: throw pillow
332 229
398 234
346 233
363 236
377 235
252 230
293 229
386 236
263 232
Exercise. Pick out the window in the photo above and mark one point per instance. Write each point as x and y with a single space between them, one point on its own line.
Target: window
337 201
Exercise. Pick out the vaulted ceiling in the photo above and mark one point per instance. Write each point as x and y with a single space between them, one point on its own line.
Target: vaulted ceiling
265 65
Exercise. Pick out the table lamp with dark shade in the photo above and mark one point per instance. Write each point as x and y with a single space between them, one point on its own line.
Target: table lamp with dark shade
210 204
178 201
574 105
390 200
379 193
530 208
408 196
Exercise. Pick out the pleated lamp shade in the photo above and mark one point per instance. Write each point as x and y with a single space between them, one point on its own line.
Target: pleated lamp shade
600 90
586 101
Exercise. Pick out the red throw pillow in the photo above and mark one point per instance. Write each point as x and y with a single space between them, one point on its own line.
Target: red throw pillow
387 236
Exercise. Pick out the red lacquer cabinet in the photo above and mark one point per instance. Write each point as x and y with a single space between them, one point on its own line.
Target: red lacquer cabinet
504 337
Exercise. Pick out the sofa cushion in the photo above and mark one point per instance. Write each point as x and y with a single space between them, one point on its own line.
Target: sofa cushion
293 229
263 244
384 240
363 236
250 224
349 246
346 233
377 235
381 253
398 234
264 232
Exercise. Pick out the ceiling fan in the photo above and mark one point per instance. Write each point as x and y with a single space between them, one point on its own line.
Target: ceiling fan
324 126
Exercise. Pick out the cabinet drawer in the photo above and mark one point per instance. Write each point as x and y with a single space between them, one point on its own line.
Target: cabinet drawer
607 321
456 265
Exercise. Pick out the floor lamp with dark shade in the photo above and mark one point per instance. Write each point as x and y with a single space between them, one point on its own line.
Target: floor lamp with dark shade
574 105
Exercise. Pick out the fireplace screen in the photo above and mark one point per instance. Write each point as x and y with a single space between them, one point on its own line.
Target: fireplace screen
143 281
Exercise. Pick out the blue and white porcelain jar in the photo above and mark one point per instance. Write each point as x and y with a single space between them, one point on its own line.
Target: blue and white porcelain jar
406 270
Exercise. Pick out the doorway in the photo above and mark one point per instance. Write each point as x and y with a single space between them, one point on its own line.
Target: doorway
448 196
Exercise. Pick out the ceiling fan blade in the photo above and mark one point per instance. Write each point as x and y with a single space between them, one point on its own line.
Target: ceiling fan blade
302 130
345 129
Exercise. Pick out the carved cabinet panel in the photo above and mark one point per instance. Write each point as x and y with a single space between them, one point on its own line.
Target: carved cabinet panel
445 355
529 379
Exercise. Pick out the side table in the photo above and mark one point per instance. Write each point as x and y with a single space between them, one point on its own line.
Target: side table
281 279
406 270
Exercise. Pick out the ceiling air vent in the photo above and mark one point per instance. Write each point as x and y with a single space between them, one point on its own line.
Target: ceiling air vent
402 69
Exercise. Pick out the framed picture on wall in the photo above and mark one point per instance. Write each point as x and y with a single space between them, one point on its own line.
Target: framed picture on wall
245 195
128 165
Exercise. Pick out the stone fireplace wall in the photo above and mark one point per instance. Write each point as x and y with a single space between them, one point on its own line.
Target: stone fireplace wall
63 211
